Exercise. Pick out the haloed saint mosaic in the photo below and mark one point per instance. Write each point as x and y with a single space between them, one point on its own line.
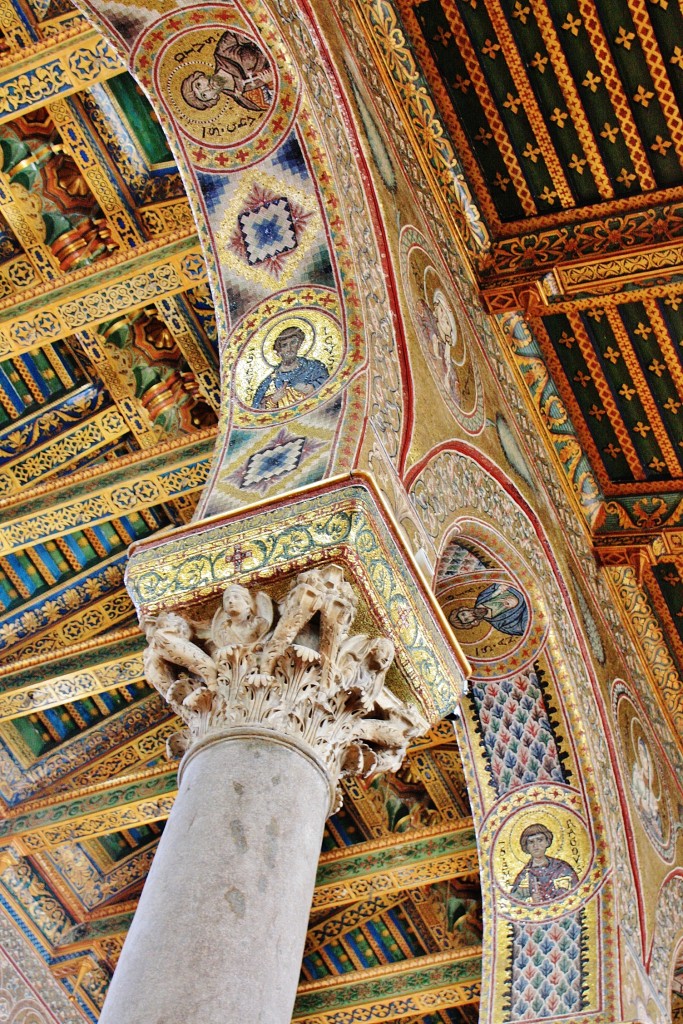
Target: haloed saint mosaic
490 612
228 85
541 854
644 775
290 355
443 329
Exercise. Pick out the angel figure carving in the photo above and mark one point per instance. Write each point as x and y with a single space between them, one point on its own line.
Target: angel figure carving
363 665
383 733
306 678
241 618
169 637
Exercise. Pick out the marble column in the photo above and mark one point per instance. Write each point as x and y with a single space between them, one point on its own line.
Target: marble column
279 702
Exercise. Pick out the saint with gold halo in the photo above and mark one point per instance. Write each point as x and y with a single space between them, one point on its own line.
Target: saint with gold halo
295 378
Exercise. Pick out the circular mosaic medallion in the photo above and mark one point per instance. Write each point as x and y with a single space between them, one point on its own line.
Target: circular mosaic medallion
643 773
491 614
541 854
227 86
444 329
291 351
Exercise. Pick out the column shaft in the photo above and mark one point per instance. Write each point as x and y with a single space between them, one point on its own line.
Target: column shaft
219 933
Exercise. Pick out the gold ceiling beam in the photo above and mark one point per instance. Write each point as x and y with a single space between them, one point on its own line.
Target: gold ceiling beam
394 863
141 480
349 917
91 615
58 453
55 67
399 991
625 268
390 864
594 281
95 810
95 666
119 284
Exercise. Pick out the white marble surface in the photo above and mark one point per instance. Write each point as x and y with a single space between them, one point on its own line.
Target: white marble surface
219 933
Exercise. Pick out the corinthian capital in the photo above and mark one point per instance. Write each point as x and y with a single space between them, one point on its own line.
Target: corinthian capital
296 671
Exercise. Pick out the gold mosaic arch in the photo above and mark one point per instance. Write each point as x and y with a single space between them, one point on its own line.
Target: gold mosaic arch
668 938
280 147
531 766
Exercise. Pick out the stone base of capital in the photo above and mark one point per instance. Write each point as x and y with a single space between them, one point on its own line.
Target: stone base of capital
341 521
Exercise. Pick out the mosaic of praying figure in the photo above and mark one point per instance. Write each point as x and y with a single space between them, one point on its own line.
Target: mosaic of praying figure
502 606
242 71
542 878
295 378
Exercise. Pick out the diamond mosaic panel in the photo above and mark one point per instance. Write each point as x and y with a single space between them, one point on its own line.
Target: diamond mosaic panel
267 231
273 462
290 158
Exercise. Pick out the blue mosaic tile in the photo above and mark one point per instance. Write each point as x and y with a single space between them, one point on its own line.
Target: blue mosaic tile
290 158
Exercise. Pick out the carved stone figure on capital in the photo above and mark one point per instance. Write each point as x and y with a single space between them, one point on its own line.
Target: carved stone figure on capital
242 72
239 619
307 677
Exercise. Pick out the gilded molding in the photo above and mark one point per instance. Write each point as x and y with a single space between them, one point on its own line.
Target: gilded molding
118 284
396 863
393 992
136 482
59 452
58 67
107 665
341 520
98 809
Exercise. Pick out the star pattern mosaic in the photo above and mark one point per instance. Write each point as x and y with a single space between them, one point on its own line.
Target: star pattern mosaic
267 231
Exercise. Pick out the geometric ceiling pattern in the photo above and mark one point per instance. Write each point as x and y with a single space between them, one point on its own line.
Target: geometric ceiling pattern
557 107
566 118
109 392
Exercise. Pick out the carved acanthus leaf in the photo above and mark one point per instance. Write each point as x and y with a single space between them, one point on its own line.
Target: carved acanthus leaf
306 677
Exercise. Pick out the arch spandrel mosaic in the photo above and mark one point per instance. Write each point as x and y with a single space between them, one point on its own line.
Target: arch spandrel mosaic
258 129
540 809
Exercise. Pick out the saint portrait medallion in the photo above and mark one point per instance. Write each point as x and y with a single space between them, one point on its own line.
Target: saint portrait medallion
643 772
490 611
289 358
226 84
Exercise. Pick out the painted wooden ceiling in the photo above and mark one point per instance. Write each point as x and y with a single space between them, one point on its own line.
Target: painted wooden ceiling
566 120
108 401
567 125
